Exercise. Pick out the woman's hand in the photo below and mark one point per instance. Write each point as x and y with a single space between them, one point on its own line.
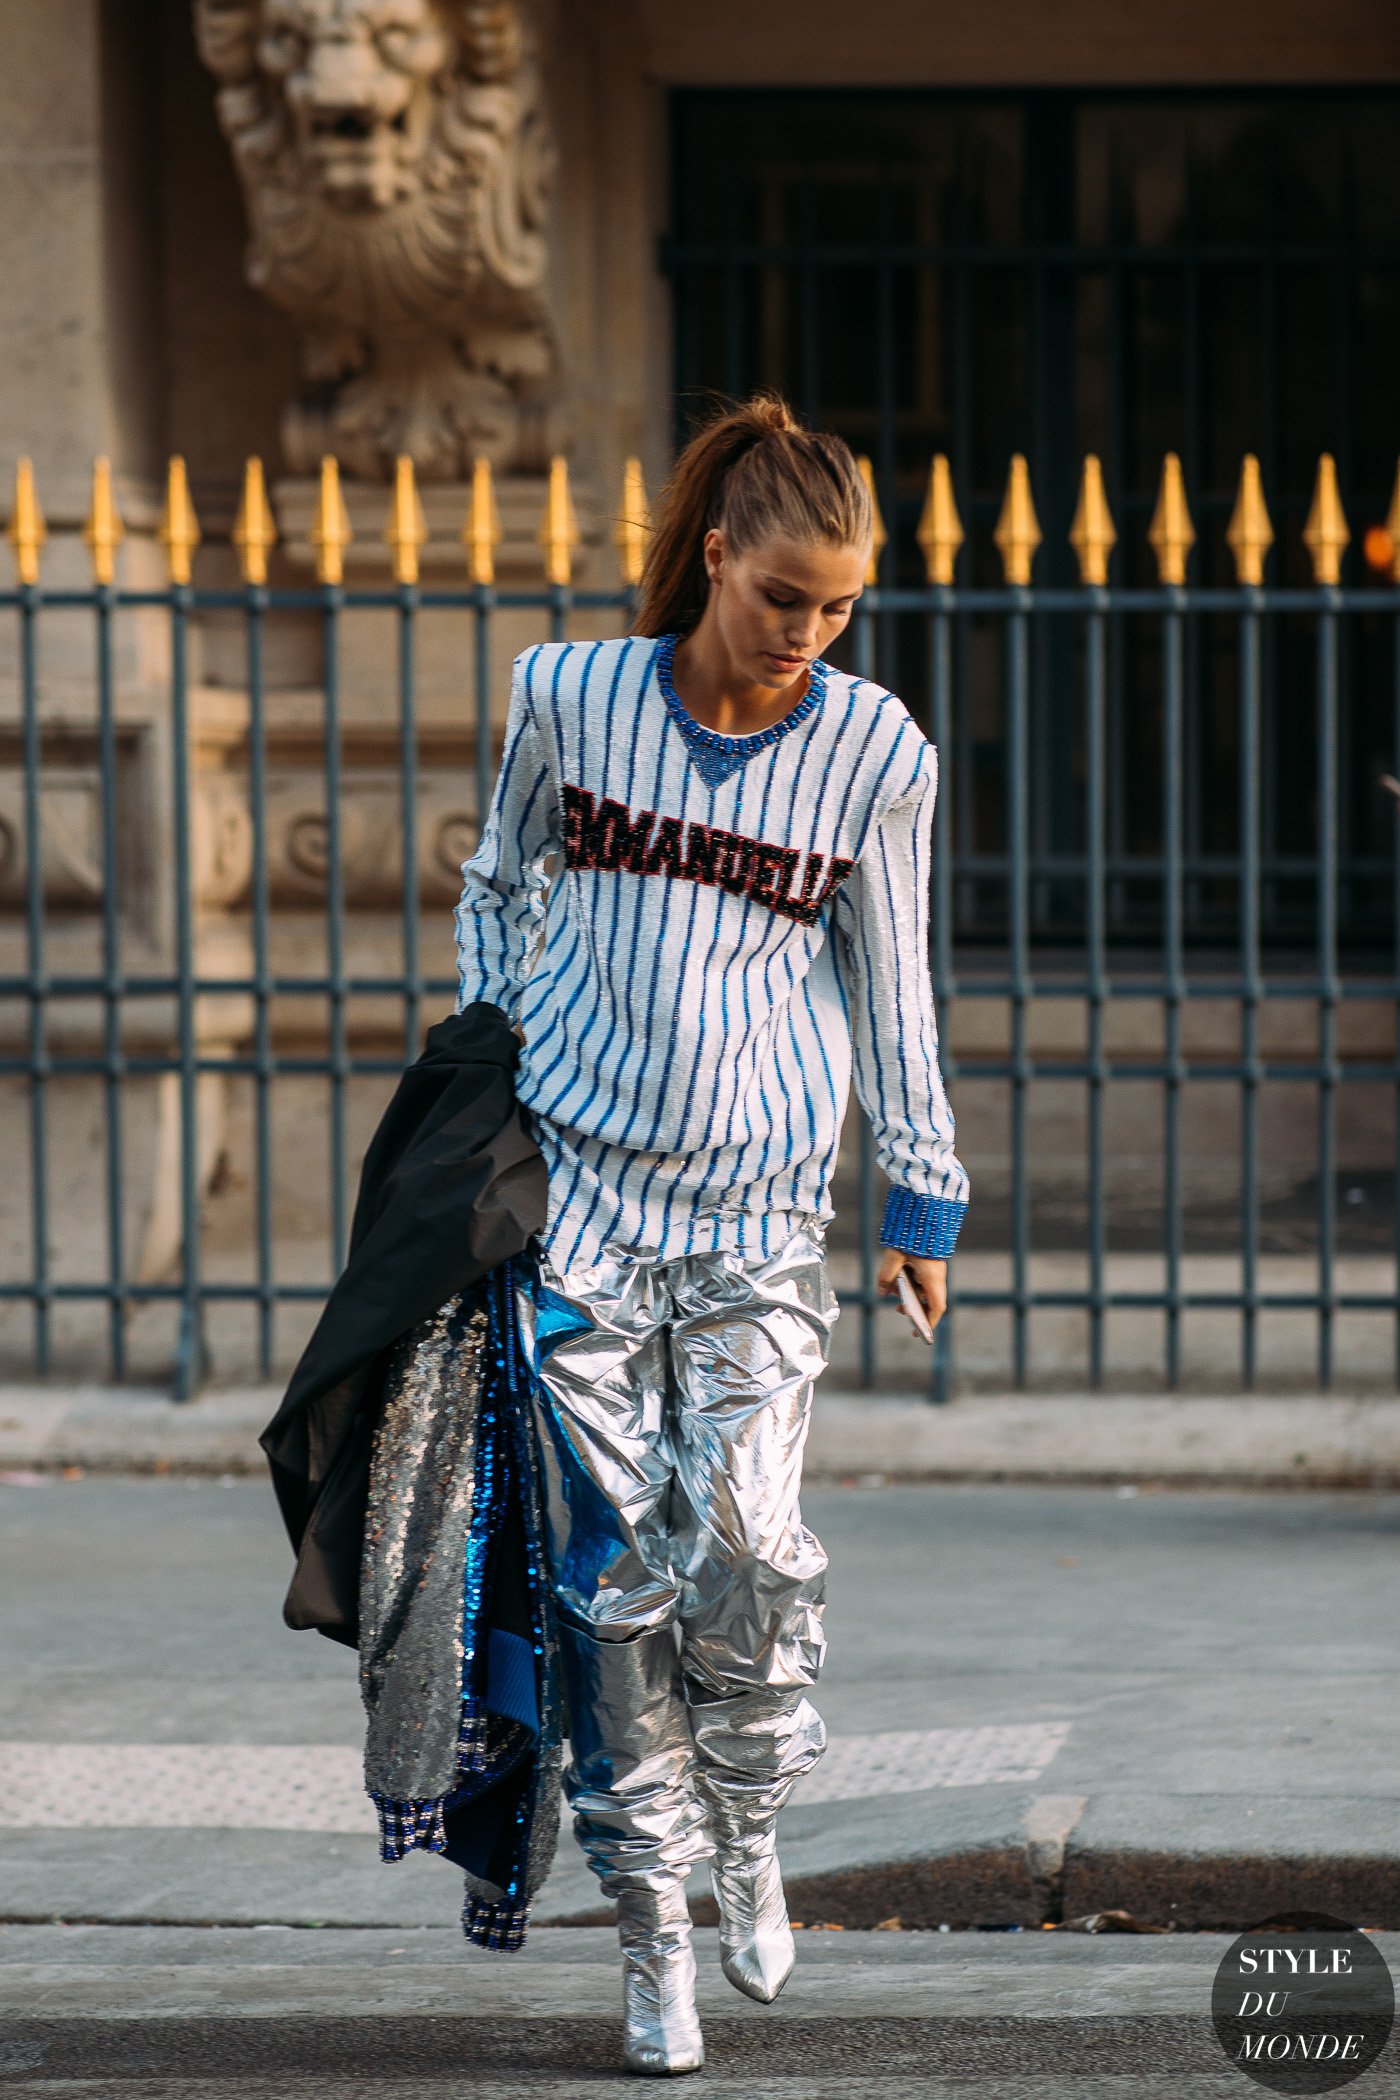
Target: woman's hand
929 1278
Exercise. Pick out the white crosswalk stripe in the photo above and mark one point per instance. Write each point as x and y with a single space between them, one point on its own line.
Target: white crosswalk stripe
901 1761
183 1786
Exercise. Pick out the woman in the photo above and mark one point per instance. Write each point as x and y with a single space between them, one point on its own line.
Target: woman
740 904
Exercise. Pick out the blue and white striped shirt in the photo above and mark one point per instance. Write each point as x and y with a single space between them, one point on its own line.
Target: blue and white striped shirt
692 959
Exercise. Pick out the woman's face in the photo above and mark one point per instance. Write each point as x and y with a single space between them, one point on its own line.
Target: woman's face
780 604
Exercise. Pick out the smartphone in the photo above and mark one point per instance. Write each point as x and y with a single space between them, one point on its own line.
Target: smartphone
913 1305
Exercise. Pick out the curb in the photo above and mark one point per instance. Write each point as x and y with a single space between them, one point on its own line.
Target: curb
1313 1441
999 1885
989 1859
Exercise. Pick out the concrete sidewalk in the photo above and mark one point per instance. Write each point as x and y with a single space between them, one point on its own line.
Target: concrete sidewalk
1044 1702
1295 1441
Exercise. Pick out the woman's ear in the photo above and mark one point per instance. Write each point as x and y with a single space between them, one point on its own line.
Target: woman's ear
714 550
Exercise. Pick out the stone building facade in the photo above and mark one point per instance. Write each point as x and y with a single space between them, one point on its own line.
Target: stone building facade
445 229
131 327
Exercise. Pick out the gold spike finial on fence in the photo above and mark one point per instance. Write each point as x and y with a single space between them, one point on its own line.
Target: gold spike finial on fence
1325 534
407 529
940 532
1092 533
330 528
1249 534
633 524
559 532
1171 535
254 529
179 527
26 531
879 538
1018 528
1392 527
103 530
481 535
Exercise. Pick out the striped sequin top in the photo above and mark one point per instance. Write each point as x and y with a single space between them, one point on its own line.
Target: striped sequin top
702 939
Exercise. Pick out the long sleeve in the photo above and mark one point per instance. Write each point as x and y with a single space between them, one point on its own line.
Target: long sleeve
882 920
501 911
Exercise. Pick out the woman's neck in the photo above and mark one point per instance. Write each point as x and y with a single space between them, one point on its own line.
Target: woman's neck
722 699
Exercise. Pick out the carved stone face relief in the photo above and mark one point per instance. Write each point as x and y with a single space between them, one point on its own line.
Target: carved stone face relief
359 91
397 164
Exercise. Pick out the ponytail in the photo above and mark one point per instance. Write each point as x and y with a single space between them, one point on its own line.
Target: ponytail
754 471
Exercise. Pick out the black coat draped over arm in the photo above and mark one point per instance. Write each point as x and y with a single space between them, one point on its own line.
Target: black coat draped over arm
452 1185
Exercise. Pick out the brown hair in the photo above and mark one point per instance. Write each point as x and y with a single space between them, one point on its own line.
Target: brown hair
754 471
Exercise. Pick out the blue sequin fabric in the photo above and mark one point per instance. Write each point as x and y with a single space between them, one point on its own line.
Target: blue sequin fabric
453 1453
714 756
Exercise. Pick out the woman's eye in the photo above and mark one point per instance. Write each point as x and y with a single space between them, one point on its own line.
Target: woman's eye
782 604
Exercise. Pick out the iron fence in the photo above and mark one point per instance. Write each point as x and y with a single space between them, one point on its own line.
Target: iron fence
163 960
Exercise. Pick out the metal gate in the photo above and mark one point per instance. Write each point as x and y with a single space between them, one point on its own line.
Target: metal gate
146 943
1170 814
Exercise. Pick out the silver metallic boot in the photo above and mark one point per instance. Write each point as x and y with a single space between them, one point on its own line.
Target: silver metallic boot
636 1815
661 2026
756 1946
752 1747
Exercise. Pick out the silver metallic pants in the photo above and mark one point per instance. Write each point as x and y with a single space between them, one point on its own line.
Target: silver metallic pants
690 1593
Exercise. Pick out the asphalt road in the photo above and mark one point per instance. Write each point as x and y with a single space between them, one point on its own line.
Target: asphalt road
335 2016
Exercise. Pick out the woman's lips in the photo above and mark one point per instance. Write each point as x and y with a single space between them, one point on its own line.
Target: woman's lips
786 663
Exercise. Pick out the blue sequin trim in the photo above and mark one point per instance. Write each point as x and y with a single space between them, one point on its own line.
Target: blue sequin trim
926 1225
488 1502
409 1826
517 1377
716 756
497 1925
419 1826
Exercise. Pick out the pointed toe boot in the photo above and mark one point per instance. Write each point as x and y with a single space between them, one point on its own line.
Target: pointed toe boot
661 2028
757 1950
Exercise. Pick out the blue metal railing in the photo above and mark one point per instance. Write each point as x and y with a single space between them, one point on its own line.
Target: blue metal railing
1087 968
1172 983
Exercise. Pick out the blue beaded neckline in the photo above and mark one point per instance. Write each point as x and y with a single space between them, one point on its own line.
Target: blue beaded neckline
716 756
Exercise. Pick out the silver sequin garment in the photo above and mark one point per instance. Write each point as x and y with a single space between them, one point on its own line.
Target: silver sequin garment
416 1524
456 1417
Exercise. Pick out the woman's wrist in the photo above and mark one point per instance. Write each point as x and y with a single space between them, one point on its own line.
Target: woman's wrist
926 1225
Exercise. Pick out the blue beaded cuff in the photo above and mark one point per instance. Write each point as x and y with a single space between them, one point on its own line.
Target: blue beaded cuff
925 1225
